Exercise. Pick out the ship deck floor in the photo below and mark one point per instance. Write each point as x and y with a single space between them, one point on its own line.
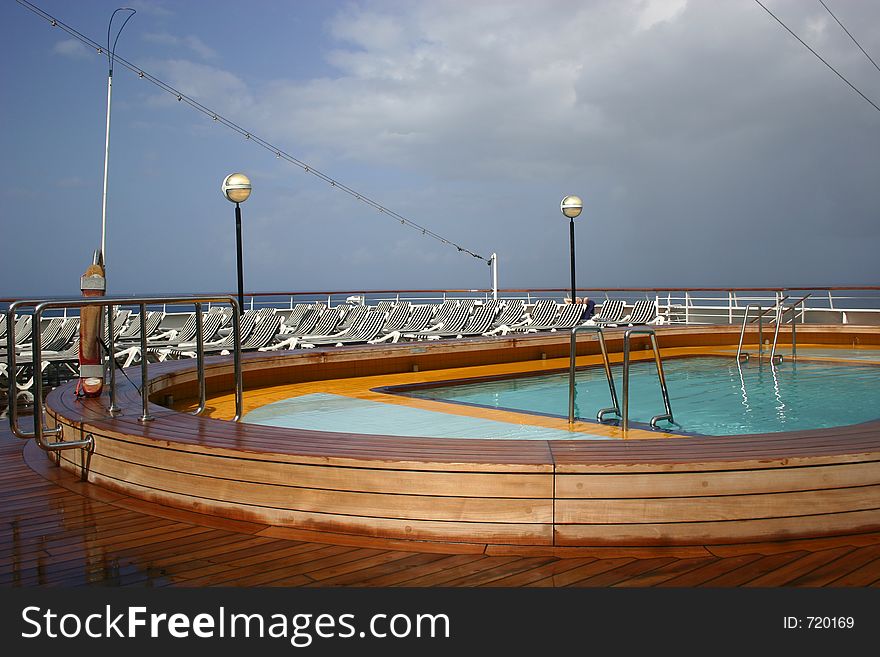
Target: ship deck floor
59 531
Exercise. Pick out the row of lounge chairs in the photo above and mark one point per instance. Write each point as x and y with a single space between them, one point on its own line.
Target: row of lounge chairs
308 326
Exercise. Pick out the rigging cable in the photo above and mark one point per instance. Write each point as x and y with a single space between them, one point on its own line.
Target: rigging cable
279 154
849 35
821 59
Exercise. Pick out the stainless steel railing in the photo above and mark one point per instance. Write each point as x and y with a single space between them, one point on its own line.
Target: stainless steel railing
571 373
41 433
780 316
624 423
742 332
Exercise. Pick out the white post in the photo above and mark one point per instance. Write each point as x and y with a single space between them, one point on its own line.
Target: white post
494 276
106 158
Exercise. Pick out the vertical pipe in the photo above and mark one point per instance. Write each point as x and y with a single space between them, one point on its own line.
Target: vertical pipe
106 159
571 371
661 376
624 422
236 332
111 339
145 416
238 252
200 359
495 276
571 239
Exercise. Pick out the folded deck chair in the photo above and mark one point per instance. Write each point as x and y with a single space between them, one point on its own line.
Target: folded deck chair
643 312
365 331
612 312
2 325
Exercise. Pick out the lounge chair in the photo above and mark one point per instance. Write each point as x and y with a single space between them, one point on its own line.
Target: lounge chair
453 323
384 307
294 317
542 314
568 317
513 314
318 326
133 330
365 331
261 334
613 311
477 324
420 319
397 317
643 312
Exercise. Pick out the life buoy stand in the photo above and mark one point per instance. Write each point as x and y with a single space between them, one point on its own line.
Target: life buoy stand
91 369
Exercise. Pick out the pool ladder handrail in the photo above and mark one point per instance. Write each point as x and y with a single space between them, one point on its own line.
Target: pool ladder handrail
600 415
624 416
40 433
780 315
739 352
657 360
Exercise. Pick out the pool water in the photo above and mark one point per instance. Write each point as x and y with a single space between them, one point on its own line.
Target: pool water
328 412
708 395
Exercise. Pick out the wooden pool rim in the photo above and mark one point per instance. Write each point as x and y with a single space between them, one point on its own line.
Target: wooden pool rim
549 495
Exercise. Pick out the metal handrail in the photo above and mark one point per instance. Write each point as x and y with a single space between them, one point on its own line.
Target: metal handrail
780 314
40 432
660 375
742 331
571 373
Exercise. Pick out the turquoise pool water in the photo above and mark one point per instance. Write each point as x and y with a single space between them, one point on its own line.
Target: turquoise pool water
326 412
709 395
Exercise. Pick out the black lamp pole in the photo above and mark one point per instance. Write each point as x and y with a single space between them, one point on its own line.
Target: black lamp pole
571 235
238 246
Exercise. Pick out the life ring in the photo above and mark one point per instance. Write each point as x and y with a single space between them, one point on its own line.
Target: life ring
91 369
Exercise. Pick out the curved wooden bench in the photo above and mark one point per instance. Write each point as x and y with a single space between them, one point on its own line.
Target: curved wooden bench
689 491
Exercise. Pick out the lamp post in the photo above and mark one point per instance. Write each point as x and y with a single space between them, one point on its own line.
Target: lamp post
571 207
236 188
111 57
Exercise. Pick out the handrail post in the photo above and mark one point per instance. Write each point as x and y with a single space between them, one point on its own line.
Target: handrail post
200 360
571 373
111 339
657 360
236 331
742 331
40 432
145 415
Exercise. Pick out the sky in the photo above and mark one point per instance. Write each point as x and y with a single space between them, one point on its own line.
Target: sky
709 146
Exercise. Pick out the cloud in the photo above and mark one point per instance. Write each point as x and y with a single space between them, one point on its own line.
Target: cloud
221 90
191 43
72 48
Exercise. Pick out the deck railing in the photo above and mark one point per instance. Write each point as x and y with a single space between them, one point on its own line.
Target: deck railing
42 434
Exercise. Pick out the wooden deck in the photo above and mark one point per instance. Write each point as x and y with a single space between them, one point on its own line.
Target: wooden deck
59 531
503 495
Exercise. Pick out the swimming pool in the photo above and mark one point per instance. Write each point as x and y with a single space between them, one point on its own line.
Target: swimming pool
709 395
